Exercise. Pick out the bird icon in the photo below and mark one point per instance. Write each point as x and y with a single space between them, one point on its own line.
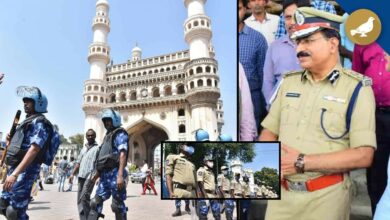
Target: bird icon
365 28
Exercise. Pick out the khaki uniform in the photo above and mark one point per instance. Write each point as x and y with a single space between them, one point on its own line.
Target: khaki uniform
183 172
295 117
224 183
205 175
237 187
246 190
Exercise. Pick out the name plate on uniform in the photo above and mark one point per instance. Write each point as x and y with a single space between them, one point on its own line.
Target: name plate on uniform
293 95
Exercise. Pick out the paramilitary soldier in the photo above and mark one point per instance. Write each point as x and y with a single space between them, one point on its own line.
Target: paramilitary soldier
180 173
110 167
206 182
324 117
225 191
28 149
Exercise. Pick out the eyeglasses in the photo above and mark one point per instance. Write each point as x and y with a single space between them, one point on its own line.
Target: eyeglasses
307 41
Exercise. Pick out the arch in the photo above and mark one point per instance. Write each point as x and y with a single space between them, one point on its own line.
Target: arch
180 89
191 72
89 88
133 95
155 92
168 91
112 98
174 68
196 23
161 70
89 99
200 82
156 71
208 69
199 69
101 100
192 84
144 73
209 83
95 99
122 97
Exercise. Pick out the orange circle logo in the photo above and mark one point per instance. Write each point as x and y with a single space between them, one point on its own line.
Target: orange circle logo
363 27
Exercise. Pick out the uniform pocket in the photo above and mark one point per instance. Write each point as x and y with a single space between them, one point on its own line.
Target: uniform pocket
290 110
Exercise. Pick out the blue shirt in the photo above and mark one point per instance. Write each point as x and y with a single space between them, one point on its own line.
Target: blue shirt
346 42
37 133
252 50
280 59
121 142
317 4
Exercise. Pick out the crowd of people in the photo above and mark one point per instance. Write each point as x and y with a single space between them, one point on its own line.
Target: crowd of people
327 100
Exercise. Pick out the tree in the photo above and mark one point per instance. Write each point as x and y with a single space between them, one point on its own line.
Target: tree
269 176
77 139
63 139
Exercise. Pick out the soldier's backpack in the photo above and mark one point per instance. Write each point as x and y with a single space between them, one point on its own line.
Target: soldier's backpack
46 155
106 160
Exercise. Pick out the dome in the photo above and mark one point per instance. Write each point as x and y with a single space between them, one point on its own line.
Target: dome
135 49
102 2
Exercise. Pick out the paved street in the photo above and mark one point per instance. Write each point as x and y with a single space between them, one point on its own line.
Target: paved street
51 204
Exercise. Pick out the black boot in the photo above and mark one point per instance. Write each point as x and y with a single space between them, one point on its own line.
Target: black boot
177 212
188 208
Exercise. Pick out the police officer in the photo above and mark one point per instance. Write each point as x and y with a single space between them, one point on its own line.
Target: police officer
25 153
110 164
245 187
84 166
180 173
237 186
224 188
324 117
206 183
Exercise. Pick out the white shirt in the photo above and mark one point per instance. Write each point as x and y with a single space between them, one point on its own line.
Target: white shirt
144 168
267 27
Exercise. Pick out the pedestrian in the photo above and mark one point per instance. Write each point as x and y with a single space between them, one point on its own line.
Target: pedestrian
370 61
110 167
69 172
149 182
62 170
252 51
321 140
84 165
383 208
29 147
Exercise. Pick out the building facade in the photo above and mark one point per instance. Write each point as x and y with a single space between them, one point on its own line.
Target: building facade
165 97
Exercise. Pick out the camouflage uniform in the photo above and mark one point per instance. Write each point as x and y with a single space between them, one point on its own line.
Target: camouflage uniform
37 132
108 179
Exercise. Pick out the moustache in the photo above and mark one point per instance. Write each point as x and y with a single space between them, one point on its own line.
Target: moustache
303 54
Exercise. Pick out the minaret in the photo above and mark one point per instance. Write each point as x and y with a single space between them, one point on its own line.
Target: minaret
201 71
98 58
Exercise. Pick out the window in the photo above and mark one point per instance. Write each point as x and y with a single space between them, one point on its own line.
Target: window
192 85
209 82
208 69
168 91
180 89
200 83
133 95
122 97
191 72
182 129
156 92
199 70
112 98
181 112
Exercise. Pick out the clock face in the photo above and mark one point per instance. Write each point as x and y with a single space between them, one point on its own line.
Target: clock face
144 93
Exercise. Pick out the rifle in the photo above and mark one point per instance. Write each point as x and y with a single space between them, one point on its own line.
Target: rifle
11 134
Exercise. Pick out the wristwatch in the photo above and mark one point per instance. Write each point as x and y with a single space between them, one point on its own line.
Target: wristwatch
300 163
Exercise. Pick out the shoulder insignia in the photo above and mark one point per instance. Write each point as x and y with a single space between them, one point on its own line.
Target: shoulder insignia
293 73
366 81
